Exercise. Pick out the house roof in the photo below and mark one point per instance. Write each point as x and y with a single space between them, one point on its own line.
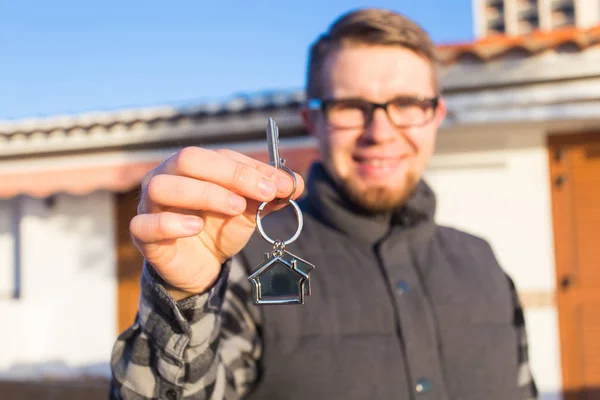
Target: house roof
112 120
494 47
237 119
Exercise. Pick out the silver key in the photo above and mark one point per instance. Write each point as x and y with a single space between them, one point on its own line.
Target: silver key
274 157
273 143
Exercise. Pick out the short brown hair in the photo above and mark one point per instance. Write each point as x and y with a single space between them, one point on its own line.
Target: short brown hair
368 26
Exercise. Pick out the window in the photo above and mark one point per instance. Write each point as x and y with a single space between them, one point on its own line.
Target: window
494 16
9 249
563 13
527 16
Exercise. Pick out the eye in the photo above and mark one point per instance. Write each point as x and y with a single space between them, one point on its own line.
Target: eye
347 113
408 102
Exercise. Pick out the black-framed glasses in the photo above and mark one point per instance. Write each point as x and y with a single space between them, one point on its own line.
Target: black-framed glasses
403 111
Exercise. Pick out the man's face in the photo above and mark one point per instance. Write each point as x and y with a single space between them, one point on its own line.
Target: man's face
377 165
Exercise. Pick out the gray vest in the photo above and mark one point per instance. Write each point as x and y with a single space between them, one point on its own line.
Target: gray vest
401 308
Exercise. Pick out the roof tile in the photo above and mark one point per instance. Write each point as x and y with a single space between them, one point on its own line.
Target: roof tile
493 47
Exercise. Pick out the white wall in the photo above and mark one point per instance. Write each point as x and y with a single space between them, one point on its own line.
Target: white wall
7 249
64 323
587 13
495 184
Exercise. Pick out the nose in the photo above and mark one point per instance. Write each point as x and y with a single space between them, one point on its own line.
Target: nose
380 129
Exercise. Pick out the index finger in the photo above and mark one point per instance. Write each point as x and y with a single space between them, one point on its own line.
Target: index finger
211 166
282 179
239 173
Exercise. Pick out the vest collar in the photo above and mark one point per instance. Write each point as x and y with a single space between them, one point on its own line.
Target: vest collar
331 207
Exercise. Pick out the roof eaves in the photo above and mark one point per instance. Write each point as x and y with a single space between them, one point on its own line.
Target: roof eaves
235 105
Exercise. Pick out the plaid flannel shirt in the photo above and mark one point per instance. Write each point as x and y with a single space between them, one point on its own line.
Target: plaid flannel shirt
207 346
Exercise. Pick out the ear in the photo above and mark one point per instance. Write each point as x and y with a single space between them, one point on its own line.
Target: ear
308 120
440 112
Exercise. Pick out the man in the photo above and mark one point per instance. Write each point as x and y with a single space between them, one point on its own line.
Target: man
399 307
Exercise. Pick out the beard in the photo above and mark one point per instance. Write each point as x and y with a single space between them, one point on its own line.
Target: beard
382 199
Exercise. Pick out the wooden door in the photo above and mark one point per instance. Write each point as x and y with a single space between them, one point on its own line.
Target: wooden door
575 174
129 261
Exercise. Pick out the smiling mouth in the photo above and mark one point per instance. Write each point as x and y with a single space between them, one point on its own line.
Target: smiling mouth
378 168
377 162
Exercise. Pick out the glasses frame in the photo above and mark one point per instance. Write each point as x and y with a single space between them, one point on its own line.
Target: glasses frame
425 102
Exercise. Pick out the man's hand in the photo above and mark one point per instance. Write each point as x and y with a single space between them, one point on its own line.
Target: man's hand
198 209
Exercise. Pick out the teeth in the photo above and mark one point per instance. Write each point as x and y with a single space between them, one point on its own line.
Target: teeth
376 162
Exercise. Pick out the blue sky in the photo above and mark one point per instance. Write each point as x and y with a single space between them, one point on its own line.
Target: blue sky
67 56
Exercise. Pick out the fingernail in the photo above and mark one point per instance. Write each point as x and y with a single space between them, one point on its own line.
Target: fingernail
237 203
284 184
191 223
267 188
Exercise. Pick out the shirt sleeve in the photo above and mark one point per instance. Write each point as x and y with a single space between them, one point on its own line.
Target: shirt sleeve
526 381
204 347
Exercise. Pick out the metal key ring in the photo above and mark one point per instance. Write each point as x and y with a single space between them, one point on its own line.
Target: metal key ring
298 215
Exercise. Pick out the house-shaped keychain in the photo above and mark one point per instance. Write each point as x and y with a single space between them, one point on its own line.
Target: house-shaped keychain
281 279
